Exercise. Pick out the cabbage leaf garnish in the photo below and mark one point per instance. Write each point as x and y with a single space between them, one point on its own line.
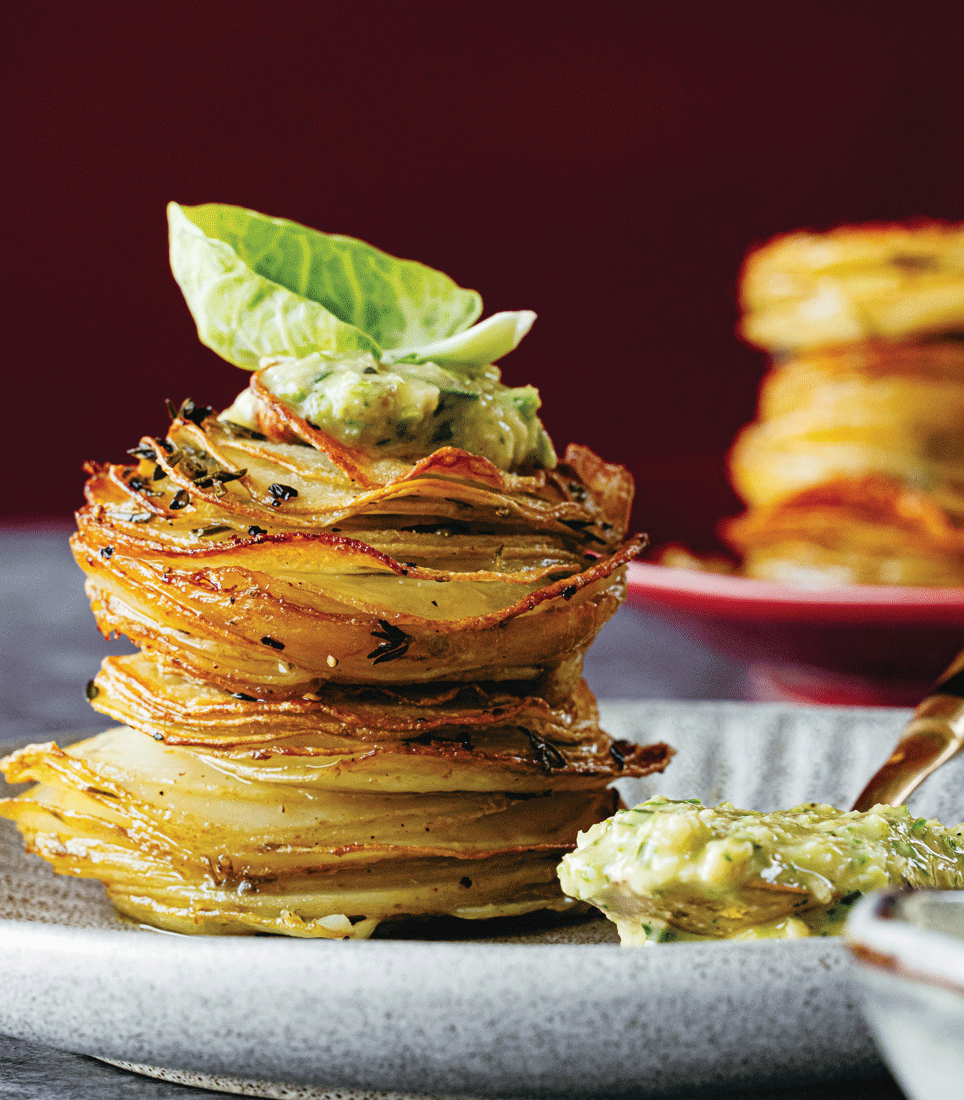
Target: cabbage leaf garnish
478 346
259 286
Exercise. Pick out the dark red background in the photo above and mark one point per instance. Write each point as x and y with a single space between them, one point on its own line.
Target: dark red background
606 165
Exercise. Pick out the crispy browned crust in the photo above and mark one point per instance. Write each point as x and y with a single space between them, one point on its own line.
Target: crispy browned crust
280 422
219 552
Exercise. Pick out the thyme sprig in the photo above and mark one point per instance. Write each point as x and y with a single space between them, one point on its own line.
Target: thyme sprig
395 643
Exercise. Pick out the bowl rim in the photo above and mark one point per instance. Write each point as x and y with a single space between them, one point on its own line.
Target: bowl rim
882 936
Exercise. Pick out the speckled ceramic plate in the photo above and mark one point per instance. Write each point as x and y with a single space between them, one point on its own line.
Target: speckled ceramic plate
540 1010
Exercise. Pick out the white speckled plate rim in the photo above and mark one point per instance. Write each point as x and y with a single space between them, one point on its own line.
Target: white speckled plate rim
558 1014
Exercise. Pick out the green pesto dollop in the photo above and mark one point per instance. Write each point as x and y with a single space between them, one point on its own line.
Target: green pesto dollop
671 870
409 410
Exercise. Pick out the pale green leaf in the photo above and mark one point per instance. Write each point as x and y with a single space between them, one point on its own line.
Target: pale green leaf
478 346
259 286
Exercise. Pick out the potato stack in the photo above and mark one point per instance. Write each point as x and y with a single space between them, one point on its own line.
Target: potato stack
853 472
358 694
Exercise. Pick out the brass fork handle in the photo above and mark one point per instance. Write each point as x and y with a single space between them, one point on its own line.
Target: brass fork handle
932 737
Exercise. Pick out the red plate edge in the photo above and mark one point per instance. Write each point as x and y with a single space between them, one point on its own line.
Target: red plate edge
661 588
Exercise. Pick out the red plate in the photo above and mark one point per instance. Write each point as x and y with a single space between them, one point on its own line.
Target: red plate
863 645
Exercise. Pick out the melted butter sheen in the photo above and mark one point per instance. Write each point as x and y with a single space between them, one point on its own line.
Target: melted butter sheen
667 870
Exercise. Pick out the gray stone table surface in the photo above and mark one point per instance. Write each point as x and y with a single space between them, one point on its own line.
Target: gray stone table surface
50 648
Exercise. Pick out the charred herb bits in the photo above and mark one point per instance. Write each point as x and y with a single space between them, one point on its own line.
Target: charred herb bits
189 411
143 451
280 493
394 645
547 755
222 477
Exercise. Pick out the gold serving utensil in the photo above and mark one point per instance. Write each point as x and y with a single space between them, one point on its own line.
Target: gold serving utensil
932 737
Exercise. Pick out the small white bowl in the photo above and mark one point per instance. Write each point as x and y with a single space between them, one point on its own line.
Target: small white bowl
909 950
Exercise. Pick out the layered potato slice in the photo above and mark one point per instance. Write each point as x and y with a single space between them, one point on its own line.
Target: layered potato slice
262 567
461 737
896 411
865 530
223 842
852 284
362 596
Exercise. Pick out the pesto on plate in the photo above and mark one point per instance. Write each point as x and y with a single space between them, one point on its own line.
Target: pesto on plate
680 870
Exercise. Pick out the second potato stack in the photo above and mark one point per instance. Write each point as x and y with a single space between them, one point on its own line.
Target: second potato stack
853 472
